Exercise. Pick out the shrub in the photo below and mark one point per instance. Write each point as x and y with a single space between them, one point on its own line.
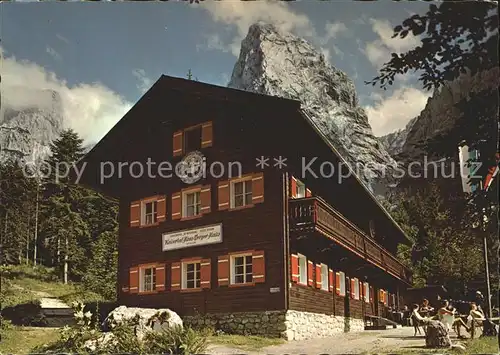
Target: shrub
85 336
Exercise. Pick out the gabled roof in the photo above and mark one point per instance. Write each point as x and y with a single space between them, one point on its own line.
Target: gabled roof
226 94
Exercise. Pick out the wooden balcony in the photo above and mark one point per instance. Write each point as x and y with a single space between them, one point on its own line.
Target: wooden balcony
313 214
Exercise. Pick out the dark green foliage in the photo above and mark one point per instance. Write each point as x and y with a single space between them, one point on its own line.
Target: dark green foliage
457 37
445 249
103 279
77 227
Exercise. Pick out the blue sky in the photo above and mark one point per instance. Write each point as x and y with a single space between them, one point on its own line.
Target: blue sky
103 56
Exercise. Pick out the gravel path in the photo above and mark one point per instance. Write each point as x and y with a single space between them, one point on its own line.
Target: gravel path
373 341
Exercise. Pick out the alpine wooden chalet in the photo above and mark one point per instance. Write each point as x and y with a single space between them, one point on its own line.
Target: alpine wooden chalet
276 250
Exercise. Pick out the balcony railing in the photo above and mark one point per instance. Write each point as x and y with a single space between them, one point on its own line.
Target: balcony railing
314 214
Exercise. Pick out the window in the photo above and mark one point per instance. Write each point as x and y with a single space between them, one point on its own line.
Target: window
367 292
300 189
191 275
302 269
147 279
241 269
149 212
192 139
342 283
241 193
356 289
324 277
192 203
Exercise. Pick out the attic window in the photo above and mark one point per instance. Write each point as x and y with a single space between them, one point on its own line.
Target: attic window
192 139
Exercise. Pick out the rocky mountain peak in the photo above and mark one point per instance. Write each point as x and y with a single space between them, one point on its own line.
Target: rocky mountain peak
30 119
278 63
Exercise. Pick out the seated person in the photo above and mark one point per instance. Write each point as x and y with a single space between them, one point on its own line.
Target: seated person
418 320
474 316
426 308
446 315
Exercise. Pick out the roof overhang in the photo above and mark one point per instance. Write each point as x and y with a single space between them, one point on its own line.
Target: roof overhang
342 159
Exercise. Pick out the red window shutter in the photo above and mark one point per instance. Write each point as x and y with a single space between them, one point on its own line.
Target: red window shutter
371 294
160 277
293 187
205 273
223 270
258 188
162 208
294 261
176 206
135 214
177 139
223 195
134 280
206 135
337 283
318 276
206 199
258 267
310 268
308 193
175 278
330 280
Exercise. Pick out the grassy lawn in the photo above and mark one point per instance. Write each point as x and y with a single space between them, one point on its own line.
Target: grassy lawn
22 284
245 342
21 340
487 345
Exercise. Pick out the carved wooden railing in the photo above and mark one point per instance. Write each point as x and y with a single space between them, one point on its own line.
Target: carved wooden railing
314 213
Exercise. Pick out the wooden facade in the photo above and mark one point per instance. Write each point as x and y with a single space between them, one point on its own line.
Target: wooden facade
347 240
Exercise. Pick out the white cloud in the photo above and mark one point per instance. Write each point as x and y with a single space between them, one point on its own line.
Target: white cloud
53 53
242 14
389 114
332 30
379 51
144 83
90 109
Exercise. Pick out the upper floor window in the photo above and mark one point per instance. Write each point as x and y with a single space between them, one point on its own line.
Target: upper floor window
191 202
367 292
241 193
192 139
241 269
302 269
300 189
149 212
147 279
191 275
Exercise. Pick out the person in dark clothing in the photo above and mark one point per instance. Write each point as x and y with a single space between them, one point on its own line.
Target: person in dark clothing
479 300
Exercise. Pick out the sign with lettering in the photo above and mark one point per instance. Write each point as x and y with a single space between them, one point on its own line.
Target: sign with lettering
274 289
192 237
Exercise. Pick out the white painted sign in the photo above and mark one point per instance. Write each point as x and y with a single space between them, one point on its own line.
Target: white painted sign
274 289
192 237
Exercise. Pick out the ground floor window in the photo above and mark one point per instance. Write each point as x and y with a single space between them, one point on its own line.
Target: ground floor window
191 275
324 277
147 279
302 269
342 283
241 269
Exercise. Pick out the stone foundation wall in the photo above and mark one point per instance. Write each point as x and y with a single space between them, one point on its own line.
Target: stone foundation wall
306 325
271 323
291 325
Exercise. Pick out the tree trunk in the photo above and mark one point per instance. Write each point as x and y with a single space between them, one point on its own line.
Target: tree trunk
66 262
28 237
36 226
